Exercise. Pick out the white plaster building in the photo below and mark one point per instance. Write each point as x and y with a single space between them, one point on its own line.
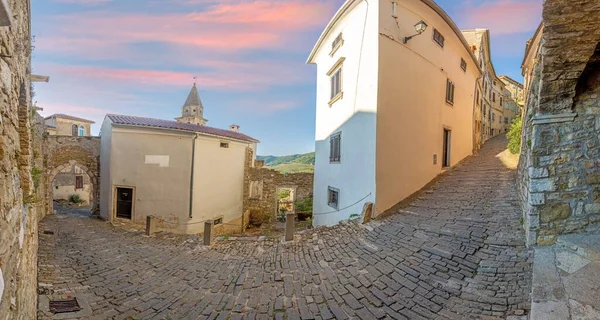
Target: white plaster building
394 107
183 173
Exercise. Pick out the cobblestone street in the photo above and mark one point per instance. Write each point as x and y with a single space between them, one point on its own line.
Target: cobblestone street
457 251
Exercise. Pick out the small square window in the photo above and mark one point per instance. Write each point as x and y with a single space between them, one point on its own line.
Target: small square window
218 221
438 37
224 144
333 197
463 64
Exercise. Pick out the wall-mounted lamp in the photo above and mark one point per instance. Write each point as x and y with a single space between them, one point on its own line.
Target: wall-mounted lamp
420 27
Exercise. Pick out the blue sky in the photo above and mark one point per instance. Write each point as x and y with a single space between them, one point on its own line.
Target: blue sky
139 57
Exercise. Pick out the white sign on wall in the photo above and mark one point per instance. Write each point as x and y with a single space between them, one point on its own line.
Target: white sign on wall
161 161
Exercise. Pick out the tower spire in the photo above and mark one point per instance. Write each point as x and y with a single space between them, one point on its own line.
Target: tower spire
193 110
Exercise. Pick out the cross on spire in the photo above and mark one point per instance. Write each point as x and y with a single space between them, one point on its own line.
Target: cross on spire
195 78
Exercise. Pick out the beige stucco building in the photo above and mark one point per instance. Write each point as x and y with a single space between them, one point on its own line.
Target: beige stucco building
65 125
180 172
396 86
489 87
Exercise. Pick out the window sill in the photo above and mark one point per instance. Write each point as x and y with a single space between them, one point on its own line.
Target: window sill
337 97
333 206
335 162
450 104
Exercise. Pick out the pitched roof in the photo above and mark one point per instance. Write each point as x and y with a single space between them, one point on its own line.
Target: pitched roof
66 116
509 79
173 125
193 98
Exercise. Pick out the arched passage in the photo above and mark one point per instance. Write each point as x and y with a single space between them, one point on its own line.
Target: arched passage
75 154
71 179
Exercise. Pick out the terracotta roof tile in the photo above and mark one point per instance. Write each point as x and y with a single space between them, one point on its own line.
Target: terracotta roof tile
66 116
167 124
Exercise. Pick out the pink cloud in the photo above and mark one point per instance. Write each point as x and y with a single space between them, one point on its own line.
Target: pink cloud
502 16
84 2
224 26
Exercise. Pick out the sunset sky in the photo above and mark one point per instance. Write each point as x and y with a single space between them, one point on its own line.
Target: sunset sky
139 57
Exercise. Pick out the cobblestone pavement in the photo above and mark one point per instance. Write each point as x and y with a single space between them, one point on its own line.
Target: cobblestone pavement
456 252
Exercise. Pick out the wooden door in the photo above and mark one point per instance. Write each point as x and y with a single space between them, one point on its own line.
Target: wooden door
124 203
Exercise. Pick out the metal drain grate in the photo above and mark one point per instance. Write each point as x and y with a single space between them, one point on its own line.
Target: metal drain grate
64 306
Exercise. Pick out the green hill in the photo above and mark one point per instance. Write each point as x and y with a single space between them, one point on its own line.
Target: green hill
290 164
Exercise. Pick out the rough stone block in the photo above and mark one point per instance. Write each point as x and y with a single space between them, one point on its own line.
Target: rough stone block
593 177
554 212
542 185
536 199
546 240
593 208
537 173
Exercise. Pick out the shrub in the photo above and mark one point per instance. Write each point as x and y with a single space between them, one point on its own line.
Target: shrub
75 198
284 193
514 136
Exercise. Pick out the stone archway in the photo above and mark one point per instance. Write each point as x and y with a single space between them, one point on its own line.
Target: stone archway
62 152
94 192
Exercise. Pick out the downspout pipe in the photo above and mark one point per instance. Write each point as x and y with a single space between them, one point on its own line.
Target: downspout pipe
192 176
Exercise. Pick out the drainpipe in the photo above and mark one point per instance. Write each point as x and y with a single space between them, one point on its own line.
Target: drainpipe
192 176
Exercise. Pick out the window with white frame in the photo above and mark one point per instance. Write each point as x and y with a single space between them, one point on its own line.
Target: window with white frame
336 83
81 131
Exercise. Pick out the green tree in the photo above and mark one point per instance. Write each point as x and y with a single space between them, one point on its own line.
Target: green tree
514 135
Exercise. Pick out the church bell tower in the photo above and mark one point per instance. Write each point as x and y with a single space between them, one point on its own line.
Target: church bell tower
192 111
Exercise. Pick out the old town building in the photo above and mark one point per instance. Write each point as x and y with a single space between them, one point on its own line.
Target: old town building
395 102
559 170
66 125
182 173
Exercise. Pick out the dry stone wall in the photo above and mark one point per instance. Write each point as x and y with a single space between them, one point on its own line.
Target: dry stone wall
20 153
559 171
260 190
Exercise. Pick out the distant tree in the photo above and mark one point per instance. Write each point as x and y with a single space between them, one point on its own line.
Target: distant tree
514 136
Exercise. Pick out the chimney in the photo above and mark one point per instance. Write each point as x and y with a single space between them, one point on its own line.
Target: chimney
234 128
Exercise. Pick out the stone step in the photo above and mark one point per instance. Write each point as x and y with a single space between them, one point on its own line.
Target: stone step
585 245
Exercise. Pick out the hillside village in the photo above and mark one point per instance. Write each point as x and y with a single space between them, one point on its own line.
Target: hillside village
438 188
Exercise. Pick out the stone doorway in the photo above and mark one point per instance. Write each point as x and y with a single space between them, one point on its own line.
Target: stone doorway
72 189
78 156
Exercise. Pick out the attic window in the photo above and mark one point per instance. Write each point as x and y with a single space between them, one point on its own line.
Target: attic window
463 64
336 44
218 221
224 144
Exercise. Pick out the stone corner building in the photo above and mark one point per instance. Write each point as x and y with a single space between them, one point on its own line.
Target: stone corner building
559 172
21 166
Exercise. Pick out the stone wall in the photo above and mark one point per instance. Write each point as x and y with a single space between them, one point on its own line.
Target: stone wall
559 170
260 190
21 166
64 152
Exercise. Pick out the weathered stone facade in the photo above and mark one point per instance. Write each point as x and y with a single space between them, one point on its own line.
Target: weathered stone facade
21 166
260 189
559 170
62 152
